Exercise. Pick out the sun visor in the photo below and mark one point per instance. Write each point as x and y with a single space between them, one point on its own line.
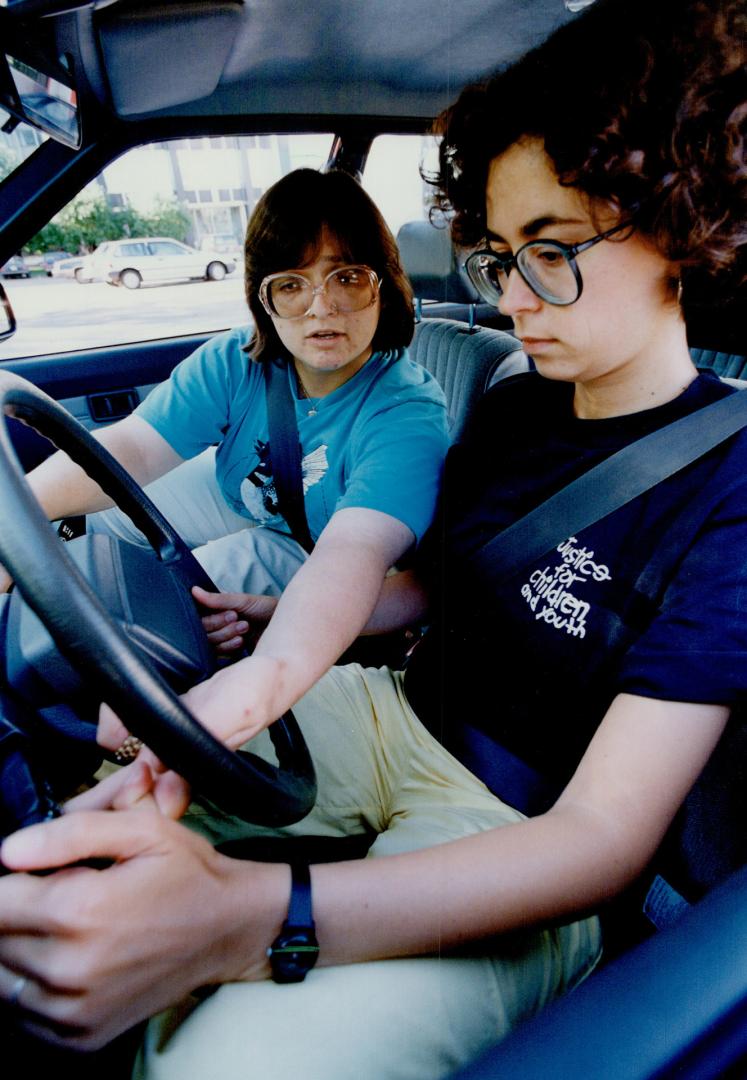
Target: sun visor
157 57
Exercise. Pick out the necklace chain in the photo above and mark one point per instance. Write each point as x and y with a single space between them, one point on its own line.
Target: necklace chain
304 393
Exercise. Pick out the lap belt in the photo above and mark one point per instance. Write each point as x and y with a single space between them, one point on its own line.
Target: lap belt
508 777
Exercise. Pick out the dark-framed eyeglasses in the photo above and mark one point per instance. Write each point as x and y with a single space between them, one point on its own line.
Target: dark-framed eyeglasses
288 295
547 266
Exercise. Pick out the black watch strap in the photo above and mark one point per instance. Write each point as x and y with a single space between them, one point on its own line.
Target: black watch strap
299 906
295 950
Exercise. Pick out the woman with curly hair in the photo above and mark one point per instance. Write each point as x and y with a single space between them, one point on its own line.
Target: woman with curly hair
524 769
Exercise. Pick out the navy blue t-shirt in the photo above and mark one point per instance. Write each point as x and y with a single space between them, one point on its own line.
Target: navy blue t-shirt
536 664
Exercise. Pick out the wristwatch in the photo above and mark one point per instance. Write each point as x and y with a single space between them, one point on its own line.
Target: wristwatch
295 950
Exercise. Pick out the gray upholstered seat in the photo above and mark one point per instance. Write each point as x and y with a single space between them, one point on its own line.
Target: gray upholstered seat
430 263
440 284
465 361
727 365
468 360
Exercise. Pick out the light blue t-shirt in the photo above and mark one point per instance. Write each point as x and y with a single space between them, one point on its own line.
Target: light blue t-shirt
378 441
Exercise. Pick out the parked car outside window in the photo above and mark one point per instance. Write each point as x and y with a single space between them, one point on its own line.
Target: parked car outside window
50 258
159 259
67 267
15 267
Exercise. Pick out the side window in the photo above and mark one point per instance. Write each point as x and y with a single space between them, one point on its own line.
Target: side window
130 250
393 176
163 247
197 191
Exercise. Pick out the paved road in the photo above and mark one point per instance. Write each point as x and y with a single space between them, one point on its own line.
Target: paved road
59 315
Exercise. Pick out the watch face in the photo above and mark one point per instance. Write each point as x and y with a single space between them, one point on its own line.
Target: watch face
293 954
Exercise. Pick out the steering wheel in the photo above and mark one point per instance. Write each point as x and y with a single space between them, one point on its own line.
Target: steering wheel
239 782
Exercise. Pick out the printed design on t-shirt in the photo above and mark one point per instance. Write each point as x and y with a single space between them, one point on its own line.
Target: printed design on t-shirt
313 467
551 592
258 488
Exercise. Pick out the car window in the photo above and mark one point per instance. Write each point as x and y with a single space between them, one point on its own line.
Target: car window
197 191
131 249
164 247
393 176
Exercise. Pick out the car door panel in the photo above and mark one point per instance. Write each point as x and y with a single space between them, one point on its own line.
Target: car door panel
97 386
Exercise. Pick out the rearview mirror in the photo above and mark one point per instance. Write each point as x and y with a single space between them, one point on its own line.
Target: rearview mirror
7 318
37 88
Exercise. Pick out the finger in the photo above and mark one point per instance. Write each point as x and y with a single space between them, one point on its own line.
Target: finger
90 834
227 633
111 731
222 601
222 624
229 646
20 987
26 915
137 790
39 1011
172 794
218 620
123 788
154 763
28 955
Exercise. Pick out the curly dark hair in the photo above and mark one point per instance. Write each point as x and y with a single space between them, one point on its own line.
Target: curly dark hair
639 104
285 231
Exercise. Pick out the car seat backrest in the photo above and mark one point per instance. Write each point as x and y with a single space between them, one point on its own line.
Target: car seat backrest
430 263
440 285
727 365
465 361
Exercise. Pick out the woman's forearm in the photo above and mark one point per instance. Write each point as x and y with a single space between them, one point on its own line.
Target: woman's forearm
443 897
599 836
325 607
64 489
402 602
321 612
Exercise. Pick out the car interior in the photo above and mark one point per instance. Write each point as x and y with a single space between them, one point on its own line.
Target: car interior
122 74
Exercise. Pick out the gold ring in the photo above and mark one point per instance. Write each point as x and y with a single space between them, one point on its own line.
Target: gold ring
129 750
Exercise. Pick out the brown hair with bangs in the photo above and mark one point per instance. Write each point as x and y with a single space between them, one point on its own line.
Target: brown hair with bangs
285 232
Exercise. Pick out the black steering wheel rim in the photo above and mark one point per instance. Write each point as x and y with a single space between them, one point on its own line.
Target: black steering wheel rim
240 783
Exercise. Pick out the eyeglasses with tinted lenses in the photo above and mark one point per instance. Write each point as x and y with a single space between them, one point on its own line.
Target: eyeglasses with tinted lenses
547 266
347 289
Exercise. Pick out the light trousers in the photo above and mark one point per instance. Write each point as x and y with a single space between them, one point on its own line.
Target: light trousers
378 769
238 556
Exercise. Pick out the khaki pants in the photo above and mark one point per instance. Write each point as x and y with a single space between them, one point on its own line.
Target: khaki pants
406 1019
238 555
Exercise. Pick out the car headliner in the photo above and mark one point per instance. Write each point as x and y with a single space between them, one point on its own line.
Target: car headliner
402 58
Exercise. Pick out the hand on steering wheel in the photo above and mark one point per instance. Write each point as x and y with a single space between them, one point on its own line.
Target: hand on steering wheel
55 590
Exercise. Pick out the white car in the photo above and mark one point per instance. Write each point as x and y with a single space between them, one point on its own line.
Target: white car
136 260
76 266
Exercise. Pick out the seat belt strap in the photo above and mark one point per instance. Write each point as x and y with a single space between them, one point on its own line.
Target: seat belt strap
285 452
609 485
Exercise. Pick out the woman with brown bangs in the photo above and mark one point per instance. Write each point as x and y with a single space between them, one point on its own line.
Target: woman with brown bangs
593 181
332 308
